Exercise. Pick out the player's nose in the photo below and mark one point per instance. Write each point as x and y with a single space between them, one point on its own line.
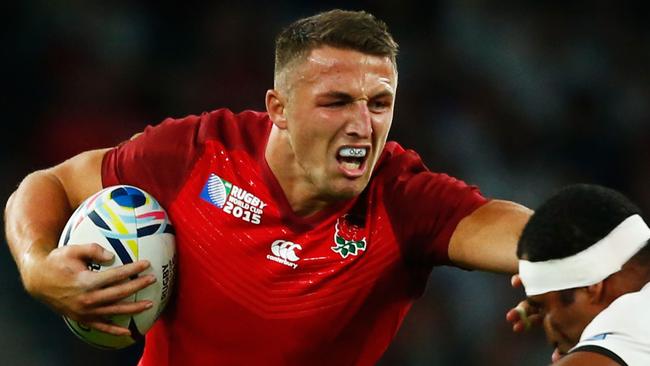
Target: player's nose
360 122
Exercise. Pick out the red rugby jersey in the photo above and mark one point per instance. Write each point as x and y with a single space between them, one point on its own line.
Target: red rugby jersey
259 285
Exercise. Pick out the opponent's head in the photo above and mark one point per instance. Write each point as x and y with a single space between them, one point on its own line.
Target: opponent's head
333 96
571 252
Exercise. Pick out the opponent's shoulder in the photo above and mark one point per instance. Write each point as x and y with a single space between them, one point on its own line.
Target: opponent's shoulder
591 356
621 331
616 317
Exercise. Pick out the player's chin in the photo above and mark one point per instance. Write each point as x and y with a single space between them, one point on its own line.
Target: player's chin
560 350
557 355
345 189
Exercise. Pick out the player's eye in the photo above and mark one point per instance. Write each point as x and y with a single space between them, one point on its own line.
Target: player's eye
336 104
536 304
378 105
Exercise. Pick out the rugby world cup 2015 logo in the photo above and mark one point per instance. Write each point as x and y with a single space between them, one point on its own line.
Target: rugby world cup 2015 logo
233 200
348 237
216 190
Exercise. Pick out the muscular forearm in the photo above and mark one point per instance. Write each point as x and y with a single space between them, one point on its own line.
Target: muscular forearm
37 211
34 216
487 239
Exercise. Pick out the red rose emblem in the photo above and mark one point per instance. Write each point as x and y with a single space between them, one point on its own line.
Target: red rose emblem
347 230
348 237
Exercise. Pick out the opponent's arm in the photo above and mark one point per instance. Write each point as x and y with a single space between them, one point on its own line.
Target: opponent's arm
487 238
34 217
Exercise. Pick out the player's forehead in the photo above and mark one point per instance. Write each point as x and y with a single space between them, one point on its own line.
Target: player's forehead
329 68
333 58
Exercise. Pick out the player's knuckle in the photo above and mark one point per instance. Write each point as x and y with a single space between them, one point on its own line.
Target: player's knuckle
86 302
131 308
108 310
141 283
99 326
75 315
121 292
84 281
124 272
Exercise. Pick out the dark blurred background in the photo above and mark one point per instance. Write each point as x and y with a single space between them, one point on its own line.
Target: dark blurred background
518 97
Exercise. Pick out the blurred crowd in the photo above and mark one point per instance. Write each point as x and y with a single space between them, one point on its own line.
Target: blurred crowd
517 97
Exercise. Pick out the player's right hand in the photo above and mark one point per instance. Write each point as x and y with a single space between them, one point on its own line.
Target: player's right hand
62 280
524 315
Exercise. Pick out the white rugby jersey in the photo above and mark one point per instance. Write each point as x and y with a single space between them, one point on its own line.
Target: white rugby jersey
621 331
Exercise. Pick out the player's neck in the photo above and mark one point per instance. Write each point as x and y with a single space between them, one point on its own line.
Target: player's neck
631 278
300 193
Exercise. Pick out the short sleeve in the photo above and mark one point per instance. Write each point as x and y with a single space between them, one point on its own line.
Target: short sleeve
425 207
157 160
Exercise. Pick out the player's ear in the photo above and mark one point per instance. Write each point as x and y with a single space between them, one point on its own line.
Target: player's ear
596 292
275 106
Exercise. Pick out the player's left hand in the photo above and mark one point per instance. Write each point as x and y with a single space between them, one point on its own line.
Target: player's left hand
524 315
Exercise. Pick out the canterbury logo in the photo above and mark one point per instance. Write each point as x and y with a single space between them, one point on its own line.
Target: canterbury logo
284 252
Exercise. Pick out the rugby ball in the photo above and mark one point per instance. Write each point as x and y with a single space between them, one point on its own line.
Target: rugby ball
132 225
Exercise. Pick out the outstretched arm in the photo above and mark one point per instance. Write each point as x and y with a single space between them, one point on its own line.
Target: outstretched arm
487 238
34 218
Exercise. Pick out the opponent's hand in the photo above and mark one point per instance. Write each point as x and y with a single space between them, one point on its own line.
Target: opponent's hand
524 315
62 280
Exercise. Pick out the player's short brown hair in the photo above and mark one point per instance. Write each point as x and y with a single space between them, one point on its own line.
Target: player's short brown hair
355 30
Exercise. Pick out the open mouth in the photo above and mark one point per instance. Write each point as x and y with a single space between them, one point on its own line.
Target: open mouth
352 159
